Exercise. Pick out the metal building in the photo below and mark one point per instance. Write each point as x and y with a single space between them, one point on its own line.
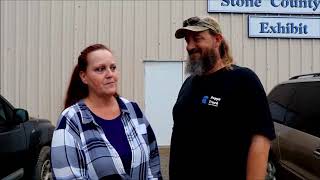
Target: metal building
41 39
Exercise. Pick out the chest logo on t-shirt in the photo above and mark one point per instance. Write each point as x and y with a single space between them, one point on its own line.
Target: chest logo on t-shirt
212 101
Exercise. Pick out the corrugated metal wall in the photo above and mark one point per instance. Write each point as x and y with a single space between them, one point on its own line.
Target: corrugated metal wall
40 41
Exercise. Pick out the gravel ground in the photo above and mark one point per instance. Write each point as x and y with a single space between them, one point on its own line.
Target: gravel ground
164 161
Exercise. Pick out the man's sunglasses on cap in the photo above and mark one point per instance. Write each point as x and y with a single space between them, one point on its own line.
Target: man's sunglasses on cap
192 21
208 23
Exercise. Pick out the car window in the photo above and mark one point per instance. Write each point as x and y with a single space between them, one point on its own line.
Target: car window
278 112
279 99
2 115
306 103
6 112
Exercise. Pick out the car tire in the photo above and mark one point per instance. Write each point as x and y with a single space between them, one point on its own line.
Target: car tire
271 170
43 166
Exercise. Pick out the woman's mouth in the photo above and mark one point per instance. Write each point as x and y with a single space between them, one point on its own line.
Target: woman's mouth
109 83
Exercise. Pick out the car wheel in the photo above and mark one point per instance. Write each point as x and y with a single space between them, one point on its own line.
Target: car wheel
43 165
271 170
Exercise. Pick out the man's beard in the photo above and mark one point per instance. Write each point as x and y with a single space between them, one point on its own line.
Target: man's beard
201 65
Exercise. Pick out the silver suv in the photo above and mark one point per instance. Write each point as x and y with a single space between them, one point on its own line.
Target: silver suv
295 110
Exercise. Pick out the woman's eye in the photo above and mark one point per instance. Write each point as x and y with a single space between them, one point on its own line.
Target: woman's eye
100 69
113 68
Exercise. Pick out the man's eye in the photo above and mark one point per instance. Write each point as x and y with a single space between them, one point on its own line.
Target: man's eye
197 39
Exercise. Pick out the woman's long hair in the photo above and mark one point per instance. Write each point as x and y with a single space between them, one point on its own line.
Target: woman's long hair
77 90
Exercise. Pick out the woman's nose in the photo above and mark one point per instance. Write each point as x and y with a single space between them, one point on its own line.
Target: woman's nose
109 72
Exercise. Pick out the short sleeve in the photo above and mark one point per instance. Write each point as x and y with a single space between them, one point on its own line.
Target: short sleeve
257 105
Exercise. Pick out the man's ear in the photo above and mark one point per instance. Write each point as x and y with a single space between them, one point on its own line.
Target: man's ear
218 38
83 77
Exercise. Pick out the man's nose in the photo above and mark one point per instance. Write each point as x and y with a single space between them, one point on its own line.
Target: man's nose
190 45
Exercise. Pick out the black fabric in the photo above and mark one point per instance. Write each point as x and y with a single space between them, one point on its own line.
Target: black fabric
112 177
215 117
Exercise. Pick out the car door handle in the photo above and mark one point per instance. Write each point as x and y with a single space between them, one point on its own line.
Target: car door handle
316 153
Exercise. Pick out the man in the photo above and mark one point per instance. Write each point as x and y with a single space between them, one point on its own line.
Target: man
222 123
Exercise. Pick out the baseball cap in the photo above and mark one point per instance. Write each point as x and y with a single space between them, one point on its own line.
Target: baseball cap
198 24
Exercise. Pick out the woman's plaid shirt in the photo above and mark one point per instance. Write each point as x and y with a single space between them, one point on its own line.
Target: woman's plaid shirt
80 149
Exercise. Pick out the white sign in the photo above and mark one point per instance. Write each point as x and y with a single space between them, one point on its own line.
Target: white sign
284 26
265 6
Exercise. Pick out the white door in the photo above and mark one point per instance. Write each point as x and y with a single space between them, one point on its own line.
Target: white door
163 80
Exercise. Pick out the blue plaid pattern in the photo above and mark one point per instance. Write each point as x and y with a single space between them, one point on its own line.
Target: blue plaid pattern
80 149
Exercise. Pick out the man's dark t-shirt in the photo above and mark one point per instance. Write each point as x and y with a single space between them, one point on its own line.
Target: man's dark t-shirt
215 117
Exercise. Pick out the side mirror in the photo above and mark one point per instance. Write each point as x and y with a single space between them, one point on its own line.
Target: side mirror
20 116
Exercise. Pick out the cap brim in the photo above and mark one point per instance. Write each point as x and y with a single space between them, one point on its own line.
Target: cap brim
181 33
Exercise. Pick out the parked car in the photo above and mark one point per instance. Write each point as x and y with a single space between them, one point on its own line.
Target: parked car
24 144
295 109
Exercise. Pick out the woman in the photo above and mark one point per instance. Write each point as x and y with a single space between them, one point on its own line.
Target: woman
101 135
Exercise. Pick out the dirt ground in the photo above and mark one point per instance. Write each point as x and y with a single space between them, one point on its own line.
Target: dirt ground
164 160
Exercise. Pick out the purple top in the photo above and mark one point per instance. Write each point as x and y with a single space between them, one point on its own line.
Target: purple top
114 131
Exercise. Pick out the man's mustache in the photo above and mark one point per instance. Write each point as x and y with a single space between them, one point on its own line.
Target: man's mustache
195 50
